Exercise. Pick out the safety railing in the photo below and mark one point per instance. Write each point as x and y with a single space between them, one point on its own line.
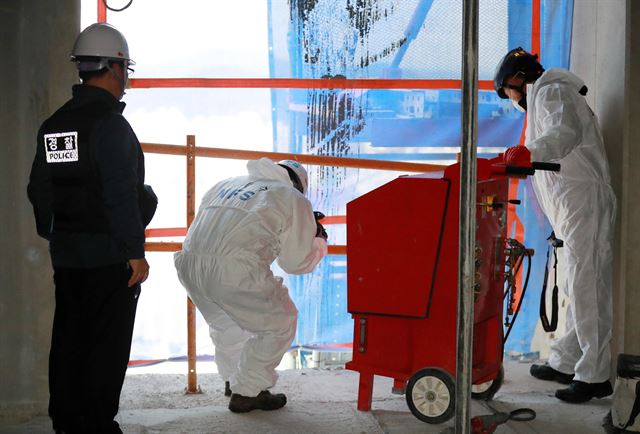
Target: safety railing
190 151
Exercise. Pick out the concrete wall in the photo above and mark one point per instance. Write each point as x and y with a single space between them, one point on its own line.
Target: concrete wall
629 323
604 44
36 38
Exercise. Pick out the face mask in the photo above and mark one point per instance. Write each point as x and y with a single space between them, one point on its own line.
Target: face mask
518 106
124 81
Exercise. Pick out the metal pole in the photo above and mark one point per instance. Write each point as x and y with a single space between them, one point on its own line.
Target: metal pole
467 233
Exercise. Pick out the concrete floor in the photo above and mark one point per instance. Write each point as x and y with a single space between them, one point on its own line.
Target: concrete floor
324 401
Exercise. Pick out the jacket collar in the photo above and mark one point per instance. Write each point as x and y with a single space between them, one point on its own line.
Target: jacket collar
86 94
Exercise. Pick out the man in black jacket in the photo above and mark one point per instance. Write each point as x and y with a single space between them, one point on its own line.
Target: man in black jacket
90 202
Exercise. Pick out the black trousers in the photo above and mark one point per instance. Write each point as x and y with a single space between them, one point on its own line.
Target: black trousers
92 331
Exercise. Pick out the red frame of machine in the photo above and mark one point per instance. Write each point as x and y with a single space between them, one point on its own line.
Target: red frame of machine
402 276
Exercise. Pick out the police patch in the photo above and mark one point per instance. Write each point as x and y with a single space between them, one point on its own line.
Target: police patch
61 147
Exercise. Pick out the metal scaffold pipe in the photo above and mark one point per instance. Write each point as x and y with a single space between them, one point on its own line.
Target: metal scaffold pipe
468 181
192 379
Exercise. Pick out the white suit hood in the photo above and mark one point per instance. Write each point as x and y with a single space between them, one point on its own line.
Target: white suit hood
557 75
266 169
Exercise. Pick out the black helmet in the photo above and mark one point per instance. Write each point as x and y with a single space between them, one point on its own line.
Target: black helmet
516 61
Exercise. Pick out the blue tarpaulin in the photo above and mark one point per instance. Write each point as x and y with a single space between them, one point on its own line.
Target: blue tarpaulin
412 39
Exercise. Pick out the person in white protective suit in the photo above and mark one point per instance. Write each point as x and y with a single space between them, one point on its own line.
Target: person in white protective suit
242 226
580 205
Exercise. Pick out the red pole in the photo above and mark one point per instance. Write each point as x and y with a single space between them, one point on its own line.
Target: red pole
535 28
102 11
513 182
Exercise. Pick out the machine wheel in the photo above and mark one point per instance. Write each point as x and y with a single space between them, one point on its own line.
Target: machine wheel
431 395
486 391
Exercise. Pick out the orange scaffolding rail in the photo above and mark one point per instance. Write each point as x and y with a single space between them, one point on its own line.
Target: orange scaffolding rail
300 83
191 151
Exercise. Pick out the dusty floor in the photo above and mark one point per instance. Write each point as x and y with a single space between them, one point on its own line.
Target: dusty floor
324 401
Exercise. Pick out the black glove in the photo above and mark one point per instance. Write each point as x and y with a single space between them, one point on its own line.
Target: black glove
320 232
148 204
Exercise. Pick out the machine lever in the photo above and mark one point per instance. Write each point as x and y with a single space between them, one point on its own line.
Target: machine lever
499 204
519 170
552 167
491 204
363 335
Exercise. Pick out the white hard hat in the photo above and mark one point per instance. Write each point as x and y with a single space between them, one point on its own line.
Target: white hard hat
300 172
101 40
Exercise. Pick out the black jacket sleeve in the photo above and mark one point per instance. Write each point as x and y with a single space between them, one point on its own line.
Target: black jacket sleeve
39 190
118 156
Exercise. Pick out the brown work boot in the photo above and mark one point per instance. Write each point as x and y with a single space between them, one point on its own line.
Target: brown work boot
264 401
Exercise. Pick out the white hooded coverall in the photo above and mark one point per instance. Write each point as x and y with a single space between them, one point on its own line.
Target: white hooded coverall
242 226
581 206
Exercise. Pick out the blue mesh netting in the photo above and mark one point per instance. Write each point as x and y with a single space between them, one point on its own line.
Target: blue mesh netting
391 39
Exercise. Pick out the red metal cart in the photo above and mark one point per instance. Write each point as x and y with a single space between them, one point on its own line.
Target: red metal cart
402 274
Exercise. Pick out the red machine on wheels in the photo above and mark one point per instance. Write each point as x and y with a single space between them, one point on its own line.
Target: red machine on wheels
402 276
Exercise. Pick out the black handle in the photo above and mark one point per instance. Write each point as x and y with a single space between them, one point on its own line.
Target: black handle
519 170
552 167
